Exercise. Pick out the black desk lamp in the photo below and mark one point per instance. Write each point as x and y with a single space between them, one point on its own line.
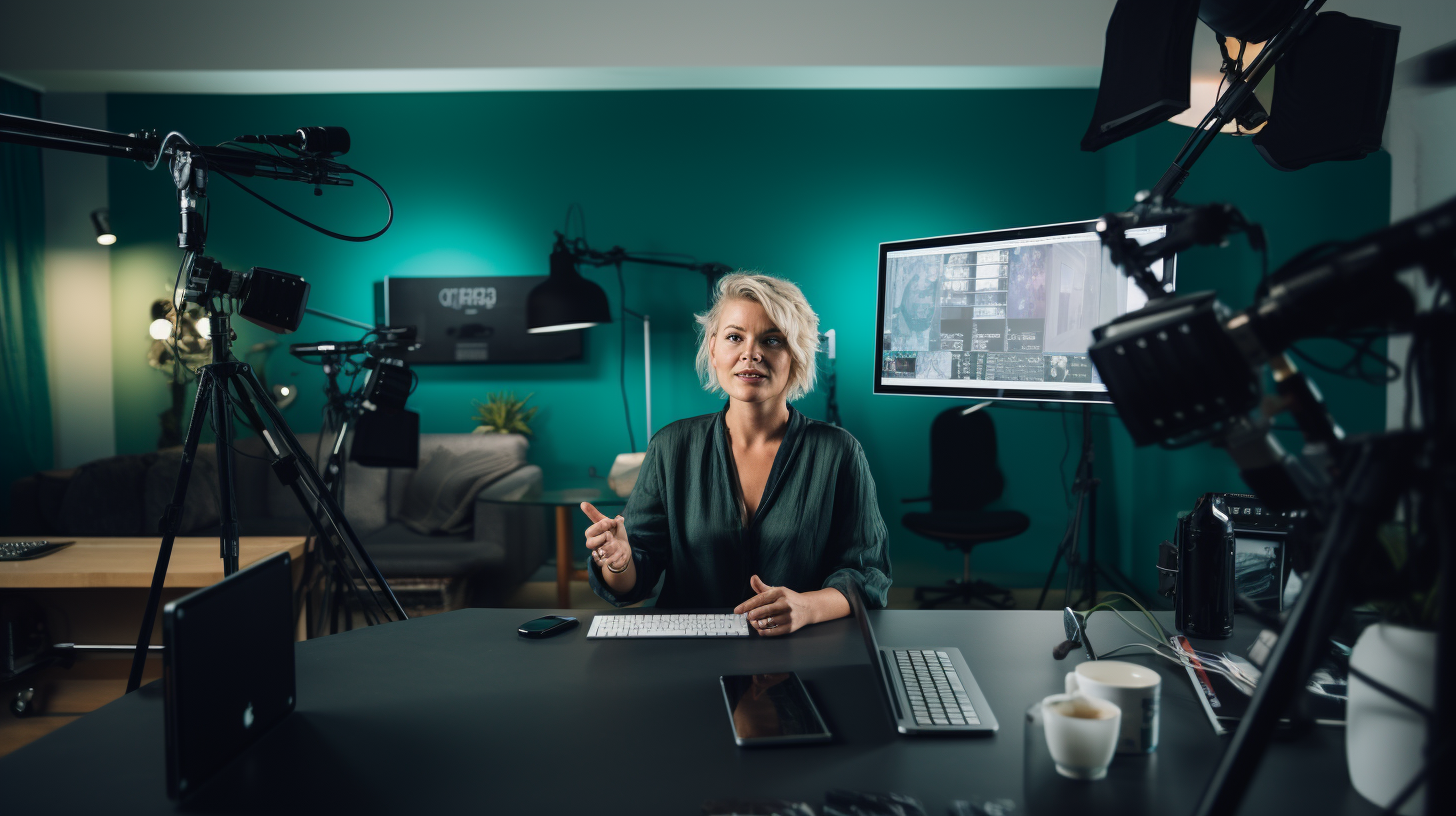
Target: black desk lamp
567 301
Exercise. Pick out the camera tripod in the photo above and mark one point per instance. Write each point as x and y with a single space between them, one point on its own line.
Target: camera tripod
339 412
225 384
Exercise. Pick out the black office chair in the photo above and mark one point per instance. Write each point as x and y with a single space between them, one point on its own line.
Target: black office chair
964 478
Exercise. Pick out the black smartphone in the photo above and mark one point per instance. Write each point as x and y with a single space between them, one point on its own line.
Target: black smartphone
772 709
547 626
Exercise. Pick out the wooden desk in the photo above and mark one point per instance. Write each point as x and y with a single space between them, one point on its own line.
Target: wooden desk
94 591
129 562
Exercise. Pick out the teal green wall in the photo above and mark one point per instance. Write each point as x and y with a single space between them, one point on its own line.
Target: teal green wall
802 184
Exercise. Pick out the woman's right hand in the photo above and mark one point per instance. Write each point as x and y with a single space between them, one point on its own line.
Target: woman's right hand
606 540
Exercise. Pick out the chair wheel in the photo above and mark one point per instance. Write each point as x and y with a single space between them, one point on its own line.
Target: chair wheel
23 703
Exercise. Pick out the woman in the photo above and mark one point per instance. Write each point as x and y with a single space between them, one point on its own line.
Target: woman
755 507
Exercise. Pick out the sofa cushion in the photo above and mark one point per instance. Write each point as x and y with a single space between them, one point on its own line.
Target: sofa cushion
430 444
105 498
364 493
441 495
401 552
200 510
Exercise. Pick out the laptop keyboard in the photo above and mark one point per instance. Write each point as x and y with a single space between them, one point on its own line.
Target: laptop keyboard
668 625
937 696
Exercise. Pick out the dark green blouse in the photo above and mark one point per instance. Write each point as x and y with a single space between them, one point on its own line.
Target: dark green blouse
818 524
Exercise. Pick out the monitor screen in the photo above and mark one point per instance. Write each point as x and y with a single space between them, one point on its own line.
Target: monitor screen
473 320
1001 315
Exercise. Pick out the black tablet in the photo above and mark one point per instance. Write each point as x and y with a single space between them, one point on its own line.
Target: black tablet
772 709
227 670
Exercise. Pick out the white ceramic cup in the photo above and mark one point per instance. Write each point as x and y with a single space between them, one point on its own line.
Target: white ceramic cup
1134 689
1081 734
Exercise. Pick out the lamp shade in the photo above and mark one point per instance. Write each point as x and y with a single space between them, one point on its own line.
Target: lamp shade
565 300
101 220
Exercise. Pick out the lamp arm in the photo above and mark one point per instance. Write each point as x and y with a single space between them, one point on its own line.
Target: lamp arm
584 254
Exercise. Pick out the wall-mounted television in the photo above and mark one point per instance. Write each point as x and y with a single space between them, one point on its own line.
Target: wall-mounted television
1001 315
473 320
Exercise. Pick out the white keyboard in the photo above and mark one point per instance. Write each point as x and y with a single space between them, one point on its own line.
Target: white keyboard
667 625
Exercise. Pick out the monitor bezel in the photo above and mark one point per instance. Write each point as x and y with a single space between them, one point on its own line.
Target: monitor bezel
883 386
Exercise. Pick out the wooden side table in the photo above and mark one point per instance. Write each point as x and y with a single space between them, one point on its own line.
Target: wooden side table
567 502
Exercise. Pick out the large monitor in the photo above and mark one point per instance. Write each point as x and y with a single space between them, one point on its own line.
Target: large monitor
1001 315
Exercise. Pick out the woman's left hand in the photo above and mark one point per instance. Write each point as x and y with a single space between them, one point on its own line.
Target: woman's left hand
775 610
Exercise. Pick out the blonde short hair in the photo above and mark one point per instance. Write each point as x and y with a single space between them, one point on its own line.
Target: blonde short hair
786 307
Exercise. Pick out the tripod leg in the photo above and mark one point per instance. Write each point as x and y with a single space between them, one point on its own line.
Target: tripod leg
227 498
171 518
388 603
1069 540
286 469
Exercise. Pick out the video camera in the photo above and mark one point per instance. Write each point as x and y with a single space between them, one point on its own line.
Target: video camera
267 297
385 434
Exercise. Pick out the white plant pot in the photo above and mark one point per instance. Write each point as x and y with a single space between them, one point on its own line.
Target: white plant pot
1384 739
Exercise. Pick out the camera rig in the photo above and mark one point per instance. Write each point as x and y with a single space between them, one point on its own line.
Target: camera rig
274 300
1187 369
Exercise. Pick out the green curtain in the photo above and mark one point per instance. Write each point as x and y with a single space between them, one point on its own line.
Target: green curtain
25 404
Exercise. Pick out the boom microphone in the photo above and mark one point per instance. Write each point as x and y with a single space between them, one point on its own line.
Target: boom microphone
314 141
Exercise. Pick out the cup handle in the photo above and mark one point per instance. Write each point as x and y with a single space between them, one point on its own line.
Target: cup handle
1071 682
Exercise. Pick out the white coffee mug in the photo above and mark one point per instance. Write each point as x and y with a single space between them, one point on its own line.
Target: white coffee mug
1134 689
1081 734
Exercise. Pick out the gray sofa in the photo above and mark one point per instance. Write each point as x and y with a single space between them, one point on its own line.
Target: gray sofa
124 496
502 548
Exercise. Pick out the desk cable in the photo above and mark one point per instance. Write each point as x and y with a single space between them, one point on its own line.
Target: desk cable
1187 657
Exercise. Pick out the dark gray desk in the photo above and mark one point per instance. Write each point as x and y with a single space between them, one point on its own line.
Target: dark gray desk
456 713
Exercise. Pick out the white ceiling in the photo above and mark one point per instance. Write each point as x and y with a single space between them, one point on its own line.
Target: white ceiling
273 46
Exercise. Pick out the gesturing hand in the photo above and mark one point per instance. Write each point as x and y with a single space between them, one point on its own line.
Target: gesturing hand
606 539
775 610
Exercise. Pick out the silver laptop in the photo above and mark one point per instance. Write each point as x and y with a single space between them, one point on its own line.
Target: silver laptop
929 690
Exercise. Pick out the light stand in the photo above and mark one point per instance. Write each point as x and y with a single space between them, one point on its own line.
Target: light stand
1240 92
646 364
341 410
831 381
1084 495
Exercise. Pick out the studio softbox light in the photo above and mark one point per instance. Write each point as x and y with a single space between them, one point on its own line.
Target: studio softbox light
1331 93
1146 68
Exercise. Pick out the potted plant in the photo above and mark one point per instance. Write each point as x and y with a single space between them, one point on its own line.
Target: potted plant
1385 736
503 413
